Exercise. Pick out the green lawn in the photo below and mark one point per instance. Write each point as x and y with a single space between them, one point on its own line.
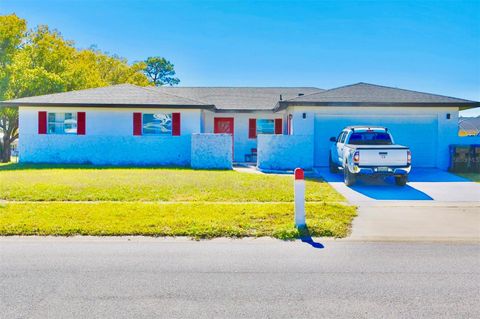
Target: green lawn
473 176
86 183
85 200
199 220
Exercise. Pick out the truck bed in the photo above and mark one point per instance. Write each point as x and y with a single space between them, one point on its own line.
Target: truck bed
381 155
375 147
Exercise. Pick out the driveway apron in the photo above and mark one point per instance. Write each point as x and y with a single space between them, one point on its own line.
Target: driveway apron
434 206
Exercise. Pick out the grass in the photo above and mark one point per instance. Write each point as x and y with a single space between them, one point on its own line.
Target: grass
87 183
472 176
86 200
198 220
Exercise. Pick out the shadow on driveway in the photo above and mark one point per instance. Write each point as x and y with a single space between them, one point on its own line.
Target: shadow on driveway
384 189
390 192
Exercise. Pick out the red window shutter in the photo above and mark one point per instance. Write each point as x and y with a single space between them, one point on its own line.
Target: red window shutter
81 127
176 124
252 128
42 122
137 123
278 126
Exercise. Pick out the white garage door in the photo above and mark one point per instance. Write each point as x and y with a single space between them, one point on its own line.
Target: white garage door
418 132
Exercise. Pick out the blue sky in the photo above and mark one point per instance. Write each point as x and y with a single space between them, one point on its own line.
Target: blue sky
431 46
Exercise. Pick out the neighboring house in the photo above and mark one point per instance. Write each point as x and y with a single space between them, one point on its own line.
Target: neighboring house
126 124
469 126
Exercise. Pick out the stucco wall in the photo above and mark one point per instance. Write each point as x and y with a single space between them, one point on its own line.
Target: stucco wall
468 140
106 150
242 144
109 139
285 152
109 135
108 121
211 151
111 122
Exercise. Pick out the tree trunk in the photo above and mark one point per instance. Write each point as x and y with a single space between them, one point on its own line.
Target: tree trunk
6 150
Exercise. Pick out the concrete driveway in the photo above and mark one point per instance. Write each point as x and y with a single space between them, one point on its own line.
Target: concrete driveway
435 205
424 184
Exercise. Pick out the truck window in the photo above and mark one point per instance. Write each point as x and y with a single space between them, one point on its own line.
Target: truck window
339 138
370 138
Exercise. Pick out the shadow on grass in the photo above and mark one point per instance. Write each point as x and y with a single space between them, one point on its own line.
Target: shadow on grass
475 177
305 237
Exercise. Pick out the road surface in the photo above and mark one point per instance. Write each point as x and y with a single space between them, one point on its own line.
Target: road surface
263 278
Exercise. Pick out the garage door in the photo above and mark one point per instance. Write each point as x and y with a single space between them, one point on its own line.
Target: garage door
417 132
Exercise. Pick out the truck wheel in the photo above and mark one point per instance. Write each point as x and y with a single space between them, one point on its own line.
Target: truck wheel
332 166
348 177
401 180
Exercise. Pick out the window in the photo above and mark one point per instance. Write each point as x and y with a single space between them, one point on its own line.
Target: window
342 138
157 124
370 138
62 123
265 126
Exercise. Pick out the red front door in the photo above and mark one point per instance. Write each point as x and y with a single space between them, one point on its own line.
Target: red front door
223 125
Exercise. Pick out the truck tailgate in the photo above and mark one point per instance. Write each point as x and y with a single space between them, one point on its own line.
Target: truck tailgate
383 156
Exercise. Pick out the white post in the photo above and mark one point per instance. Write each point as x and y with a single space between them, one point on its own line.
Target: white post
299 194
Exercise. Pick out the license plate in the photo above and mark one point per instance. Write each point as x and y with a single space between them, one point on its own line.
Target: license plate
382 169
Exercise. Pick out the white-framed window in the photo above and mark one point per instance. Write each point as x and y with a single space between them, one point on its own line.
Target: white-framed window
62 123
157 123
265 126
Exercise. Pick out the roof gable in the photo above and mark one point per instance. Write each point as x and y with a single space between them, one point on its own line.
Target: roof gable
371 94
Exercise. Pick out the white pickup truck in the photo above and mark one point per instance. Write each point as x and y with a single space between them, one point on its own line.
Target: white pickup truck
362 150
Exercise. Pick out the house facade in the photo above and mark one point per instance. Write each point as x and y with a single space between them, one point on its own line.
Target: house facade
280 128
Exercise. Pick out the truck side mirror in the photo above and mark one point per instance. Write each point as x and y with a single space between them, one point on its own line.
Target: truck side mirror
333 139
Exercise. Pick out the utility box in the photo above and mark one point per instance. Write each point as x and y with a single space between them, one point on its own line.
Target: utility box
460 158
475 158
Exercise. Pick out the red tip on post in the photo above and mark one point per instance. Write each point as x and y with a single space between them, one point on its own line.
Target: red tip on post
299 174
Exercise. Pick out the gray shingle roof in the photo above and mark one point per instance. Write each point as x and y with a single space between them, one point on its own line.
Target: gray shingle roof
240 98
123 95
370 94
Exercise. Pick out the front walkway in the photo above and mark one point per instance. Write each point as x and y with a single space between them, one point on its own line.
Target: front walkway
246 168
434 206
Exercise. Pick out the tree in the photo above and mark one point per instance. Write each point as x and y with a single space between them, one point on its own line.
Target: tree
115 70
12 32
41 61
160 71
93 68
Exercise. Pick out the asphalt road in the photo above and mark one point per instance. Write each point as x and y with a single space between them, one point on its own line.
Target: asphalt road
157 278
